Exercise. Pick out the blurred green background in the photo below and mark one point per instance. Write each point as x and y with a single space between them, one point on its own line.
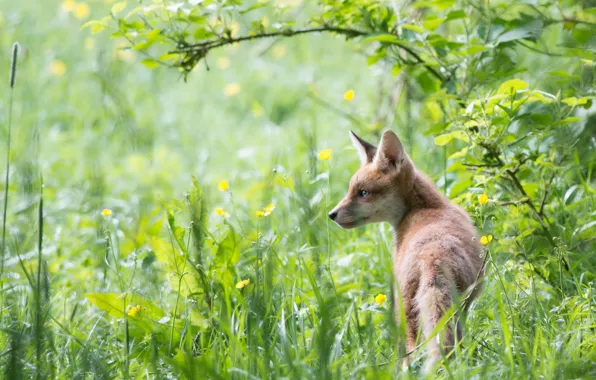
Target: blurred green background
101 131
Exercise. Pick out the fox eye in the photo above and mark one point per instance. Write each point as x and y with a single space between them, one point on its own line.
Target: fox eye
363 193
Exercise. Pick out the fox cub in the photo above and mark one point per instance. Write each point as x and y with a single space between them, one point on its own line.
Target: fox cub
436 255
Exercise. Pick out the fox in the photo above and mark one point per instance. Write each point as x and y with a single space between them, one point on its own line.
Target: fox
436 252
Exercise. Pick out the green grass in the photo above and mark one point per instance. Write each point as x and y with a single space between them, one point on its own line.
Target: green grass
109 133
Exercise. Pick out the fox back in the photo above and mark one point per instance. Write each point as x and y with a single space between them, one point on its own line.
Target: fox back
436 254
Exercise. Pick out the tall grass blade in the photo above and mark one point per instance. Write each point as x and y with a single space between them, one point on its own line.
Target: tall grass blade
11 81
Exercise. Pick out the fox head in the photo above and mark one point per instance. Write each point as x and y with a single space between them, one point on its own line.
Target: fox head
378 190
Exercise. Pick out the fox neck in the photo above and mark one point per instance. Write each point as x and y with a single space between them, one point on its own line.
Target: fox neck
421 195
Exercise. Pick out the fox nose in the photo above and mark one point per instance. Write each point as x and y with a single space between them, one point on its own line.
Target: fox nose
333 215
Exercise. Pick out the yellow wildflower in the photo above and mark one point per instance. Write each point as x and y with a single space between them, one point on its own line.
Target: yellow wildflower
223 63
69 5
58 68
106 212
380 299
81 11
231 89
483 199
266 211
89 43
242 284
349 95
256 109
133 311
269 209
234 28
221 212
279 51
126 55
484 240
223 185
325 154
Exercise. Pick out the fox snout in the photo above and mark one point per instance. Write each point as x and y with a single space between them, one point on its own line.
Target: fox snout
332 214
345 215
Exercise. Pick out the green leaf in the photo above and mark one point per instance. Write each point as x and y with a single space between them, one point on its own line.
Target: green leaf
573 101
542 118
531 189
383 37
454 15
568 120
512 35
253 7
150 63
153 35
414 28
512 85
95 25
475 49
371 60
432 24
228 250
118 7
459 154
116 304
446 138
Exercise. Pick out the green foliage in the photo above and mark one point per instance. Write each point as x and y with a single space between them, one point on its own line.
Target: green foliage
493 99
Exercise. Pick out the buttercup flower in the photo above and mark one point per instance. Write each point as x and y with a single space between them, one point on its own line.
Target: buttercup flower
81 11
223 185
242 284
68 5
221 212
349 95
89 43
325 154
106 212
269 209
223 63
266 211
58 68
279 51
133 311
380 299
484 240
231 89
483 199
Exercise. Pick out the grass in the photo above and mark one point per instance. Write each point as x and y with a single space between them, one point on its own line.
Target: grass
108 133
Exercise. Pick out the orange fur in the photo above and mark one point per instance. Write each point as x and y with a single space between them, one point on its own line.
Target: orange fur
436 255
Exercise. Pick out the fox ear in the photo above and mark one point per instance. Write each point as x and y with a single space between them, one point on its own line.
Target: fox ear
366 150
390 152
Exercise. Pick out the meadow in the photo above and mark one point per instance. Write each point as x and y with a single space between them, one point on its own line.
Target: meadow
166 212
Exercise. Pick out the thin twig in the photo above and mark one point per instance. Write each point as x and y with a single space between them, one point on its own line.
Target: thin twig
541 51
546 187
481 165
196 52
